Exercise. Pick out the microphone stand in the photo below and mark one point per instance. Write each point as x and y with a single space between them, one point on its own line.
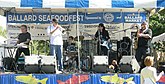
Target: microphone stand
99 38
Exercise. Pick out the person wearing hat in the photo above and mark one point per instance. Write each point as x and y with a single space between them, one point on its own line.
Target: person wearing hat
100 35
56 42
144 35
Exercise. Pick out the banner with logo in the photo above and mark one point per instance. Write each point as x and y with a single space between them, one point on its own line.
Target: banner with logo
39 31
83 18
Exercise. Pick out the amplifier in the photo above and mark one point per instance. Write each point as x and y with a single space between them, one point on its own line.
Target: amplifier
100 60
31 60
48 60
128 63
100 64
35 64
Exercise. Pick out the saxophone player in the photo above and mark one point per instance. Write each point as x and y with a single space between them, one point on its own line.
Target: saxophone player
144 35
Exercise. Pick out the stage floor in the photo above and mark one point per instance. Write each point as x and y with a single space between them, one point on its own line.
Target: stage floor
70 78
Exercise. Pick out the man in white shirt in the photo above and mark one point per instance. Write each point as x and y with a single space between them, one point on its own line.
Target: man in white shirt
56 42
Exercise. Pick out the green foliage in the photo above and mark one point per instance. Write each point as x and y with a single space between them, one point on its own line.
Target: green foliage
40 46
3 32
157 23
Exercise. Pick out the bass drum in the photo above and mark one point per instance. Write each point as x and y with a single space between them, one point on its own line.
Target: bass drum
71 48
71 51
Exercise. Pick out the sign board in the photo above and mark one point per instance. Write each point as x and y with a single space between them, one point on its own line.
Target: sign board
71 18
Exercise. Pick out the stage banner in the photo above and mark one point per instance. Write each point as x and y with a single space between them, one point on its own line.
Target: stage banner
72 79
39 31
71 18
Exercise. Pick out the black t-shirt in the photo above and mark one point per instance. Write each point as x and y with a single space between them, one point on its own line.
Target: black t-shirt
22 37
143 42
103 35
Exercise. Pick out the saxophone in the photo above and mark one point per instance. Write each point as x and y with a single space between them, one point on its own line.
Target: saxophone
136 38
135 42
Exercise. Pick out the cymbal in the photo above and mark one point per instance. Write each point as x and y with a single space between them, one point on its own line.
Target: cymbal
80 38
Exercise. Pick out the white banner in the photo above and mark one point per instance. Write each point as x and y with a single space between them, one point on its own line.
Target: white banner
38 31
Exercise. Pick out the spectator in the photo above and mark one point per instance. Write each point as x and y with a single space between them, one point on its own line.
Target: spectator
149 74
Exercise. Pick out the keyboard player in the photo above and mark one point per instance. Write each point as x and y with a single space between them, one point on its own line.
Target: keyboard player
23 39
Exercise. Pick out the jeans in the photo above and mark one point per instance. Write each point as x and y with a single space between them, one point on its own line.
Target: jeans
140 56
19 51
56 50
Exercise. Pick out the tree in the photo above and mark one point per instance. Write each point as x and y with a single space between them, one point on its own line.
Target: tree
3 32
157 23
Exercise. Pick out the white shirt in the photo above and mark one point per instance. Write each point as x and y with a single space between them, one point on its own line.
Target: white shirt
149 74
56 37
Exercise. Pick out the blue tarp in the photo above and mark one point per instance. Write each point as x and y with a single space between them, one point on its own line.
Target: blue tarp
53 78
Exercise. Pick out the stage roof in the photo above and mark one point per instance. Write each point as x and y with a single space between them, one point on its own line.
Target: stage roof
83 3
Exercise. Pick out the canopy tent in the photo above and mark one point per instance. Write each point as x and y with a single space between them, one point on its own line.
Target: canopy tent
83 3
158 38
87 6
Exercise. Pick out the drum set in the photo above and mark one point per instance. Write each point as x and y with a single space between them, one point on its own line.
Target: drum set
71 56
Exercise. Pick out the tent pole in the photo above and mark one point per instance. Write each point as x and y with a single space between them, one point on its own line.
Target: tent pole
78 41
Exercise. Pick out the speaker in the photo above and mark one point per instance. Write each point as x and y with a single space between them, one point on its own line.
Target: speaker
126 68
37 64
48 64
31 64
100 68
31 68
112 55
123 46
128 64
100 64
100 60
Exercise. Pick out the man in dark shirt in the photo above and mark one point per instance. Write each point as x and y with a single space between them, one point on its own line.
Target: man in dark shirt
144 35
101 35
23 39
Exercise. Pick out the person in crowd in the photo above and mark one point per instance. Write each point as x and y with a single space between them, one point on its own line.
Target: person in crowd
148 74
56 42
114 66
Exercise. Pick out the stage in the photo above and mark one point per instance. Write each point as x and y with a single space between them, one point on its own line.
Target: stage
70 78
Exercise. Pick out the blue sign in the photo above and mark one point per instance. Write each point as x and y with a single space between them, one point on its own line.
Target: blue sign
83 18
134 17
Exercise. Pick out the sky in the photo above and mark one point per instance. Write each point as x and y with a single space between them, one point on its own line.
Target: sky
3 21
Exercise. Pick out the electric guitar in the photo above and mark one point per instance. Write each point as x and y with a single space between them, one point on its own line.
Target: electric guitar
105 43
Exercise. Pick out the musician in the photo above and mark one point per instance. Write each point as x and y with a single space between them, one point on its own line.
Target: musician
56 42
23 39
71 41
144 35
102 34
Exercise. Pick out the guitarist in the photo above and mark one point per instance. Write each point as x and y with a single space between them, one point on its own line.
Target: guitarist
102 35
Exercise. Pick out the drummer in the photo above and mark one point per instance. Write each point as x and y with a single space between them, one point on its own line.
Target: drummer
71 41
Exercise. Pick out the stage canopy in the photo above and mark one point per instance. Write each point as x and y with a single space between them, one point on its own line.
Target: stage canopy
83 3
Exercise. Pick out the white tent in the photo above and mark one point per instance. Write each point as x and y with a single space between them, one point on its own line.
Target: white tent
158 38
88 6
